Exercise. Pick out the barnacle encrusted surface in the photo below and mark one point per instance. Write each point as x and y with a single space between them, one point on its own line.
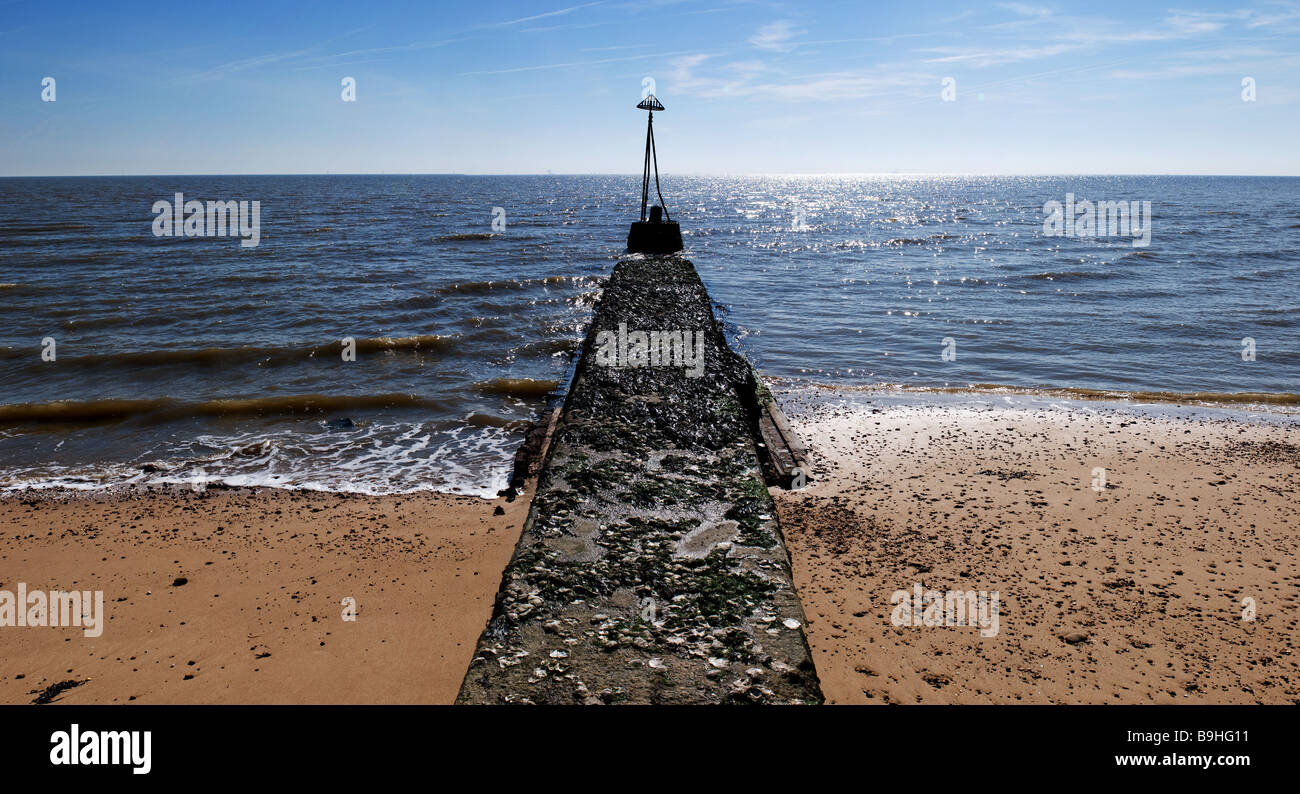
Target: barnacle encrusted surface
651 568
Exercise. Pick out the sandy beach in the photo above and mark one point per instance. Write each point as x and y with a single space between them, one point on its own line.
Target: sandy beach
259 615
1126 586
1131 592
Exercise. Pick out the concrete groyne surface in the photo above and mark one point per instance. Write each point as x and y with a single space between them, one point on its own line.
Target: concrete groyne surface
651 568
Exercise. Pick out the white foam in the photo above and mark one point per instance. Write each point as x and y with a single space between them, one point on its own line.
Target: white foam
374 459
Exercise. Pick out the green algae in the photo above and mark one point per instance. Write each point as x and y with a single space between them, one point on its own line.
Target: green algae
652 570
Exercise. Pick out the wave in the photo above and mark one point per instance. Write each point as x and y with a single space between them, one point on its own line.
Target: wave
920 240
47 227
421 342
435 298
85 321
167 409
1273 399
76 411
470 456
491 420
453 238
517 387
548 347
463 287
209 356
1286 255
1074 275
1196 397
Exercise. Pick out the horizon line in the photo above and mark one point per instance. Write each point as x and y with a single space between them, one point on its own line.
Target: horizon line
666 173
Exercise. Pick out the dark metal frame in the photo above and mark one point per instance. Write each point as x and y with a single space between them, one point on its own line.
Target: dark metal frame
651 156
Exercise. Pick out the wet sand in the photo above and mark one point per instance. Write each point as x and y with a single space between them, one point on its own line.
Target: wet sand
1128 594
259 618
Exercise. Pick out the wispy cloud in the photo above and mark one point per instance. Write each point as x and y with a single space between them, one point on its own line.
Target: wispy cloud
775 36
1026 10
546 15
1198 21
683 74
243 64
419 45
306 54
748 78
1037 32
616 47
569 64
990 57
570 26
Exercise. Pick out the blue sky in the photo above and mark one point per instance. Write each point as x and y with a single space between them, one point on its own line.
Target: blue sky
750 87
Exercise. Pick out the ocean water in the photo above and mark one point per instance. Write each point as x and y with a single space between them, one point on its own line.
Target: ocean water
192 360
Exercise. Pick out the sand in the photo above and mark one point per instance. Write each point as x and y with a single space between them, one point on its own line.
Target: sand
260 616
1130 594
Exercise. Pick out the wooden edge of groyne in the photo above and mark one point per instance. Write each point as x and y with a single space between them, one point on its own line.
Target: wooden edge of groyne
786 455
651 567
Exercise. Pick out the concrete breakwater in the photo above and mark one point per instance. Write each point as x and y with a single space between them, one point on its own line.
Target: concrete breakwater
651 568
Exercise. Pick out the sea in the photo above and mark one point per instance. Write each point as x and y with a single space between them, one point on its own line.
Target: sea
391 334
